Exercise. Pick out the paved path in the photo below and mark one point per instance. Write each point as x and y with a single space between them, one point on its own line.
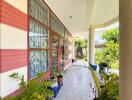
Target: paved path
77 84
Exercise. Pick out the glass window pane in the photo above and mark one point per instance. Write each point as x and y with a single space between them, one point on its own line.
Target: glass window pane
38 62
38 36
66 34
39 11
54 53
66 49
55 49
66 44
62 54
56 25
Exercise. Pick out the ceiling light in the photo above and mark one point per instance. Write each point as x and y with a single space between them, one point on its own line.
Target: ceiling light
70 17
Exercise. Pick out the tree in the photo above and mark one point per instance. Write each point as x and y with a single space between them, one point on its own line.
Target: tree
83 44
109 54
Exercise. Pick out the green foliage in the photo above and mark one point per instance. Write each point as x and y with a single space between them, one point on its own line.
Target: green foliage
35 89
82 43
14 75
96 80
14 98
0 98
4 99
111 89
22 84
109 54
102 66
112 35
105 77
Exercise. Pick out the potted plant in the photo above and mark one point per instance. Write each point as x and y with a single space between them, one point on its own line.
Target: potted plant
103 66
60 79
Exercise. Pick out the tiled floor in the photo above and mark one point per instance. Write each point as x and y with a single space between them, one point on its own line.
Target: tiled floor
77 84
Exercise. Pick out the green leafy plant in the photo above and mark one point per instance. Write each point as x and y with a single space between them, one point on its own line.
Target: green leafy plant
22 84
35 89
105 77
111 50
96 79
111 89
14 75
13 98
81 43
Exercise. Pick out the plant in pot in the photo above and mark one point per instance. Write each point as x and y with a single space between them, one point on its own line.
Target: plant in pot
35 89
60 79
102 66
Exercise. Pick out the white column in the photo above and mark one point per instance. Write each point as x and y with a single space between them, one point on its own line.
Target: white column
125 49
91 45
88 49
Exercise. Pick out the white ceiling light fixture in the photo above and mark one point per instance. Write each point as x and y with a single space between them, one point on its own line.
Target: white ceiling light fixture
70 17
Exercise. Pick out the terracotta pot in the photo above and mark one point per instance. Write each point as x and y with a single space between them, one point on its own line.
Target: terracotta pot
60 79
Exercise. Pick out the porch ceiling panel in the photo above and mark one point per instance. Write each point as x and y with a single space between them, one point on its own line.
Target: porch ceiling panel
66 8
84 13
105 11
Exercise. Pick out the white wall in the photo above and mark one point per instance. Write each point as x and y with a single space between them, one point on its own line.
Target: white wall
13 38
9 85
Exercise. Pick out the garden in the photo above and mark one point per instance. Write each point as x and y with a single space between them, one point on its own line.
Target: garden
108 58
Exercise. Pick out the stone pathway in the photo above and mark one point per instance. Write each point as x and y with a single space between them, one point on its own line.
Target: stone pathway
77 84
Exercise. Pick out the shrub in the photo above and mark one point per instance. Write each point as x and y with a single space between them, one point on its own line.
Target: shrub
111 89
109 54
35 89
96 79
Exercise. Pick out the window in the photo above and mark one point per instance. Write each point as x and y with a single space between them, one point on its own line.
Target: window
39 30
38 38
61 54
38 49
38 62
39 11
54 53
66 45
56 25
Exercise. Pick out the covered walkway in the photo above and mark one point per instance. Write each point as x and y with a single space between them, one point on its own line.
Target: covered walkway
77 86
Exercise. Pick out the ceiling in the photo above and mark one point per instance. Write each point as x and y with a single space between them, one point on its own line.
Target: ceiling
78 15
